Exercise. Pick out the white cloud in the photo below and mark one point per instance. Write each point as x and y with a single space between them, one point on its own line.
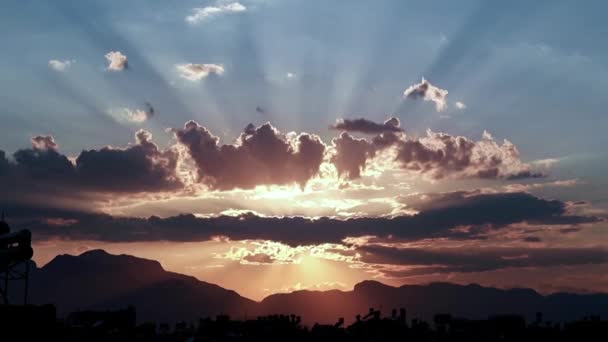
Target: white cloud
58 65
116 61
196 72
546 163
203 13
127 115
290 75
428 92
460 105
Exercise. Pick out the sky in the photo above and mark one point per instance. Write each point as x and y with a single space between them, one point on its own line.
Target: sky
312 144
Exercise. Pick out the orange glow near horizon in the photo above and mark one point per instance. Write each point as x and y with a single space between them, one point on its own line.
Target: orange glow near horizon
200 259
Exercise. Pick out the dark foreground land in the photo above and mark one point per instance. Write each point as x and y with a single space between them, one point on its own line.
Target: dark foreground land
29 323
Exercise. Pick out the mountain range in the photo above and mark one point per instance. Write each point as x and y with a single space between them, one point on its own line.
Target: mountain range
98 280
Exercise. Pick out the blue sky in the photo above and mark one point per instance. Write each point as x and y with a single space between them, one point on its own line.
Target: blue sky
526 71
534 73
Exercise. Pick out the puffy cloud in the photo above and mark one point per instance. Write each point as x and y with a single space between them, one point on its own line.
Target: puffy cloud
116 61
58 65
428 92
196 72
40 163
436 155
460 105
200 14
261 156
439 216
141 167
441 155
351 154
422 261
367 126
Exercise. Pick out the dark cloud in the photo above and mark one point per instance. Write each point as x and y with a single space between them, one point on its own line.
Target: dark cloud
533 239
367 126
42 163
42 170
261 156
140 167
449 260
150 111
4 165
452 210
351 155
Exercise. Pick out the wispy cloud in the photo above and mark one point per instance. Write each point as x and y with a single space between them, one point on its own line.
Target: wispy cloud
203 13
58 65
460 105
128 115
196 72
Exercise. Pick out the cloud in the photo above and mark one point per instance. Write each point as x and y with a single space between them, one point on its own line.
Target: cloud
58 65
533 186
436 155
367 126
203 13
421 261
428 92
116 61
196 72
439 216
139 167
42 171
261 155
4 163
44 142
460 105
351 154
127 115
441 155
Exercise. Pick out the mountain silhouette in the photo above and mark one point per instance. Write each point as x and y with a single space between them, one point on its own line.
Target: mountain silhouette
98 280
424 301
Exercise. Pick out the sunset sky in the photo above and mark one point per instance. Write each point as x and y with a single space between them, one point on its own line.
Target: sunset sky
274 145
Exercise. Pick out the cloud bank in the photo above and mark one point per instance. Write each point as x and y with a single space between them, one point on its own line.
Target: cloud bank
436 155
43 172
458 216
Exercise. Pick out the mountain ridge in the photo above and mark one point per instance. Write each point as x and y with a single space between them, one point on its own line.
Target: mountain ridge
99 280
